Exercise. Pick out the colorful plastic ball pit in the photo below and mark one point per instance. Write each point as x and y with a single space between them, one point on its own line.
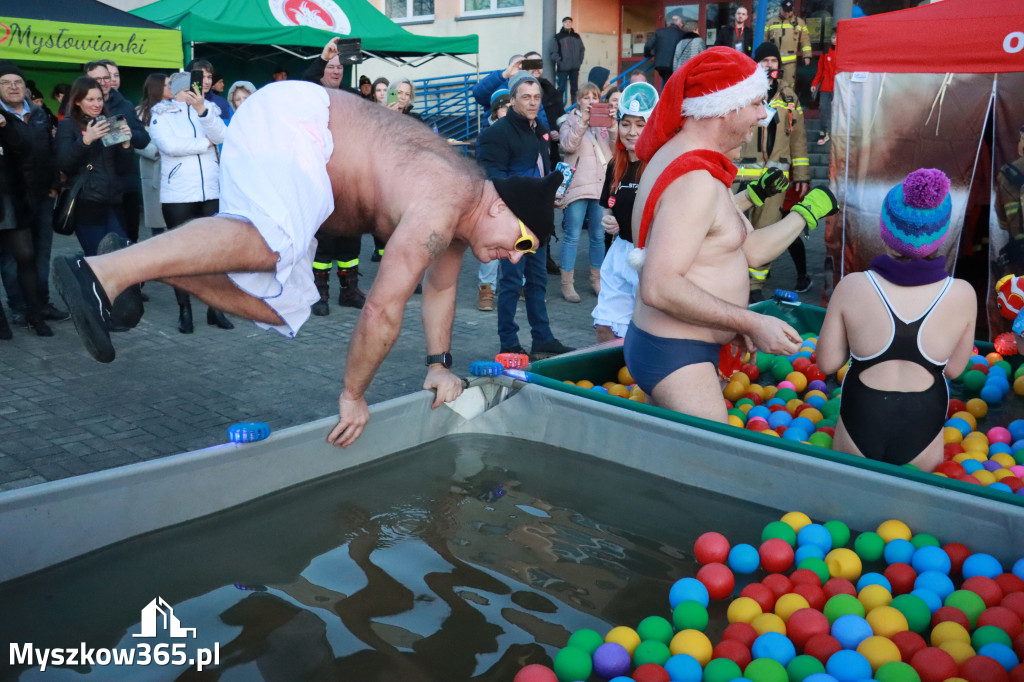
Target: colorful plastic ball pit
901 577
805 624
878 651
693 643
981 564
775 646
655 628
718 670
776 555
802 666
848 666
934 665
914 610
850 630
765 670
869 546
897 671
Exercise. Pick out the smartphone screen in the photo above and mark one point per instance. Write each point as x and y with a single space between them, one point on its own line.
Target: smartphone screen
531 64
196 82
392 96
600 116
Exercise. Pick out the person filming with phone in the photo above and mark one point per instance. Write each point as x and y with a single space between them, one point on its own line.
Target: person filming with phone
89 142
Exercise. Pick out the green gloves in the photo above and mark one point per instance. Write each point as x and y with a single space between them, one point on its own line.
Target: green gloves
818 203
772 182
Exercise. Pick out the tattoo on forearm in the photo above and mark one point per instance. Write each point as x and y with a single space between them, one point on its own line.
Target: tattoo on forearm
436 245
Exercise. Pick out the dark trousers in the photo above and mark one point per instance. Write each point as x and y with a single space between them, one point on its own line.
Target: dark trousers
92 229
42 244
532 266
573 77
178 214
131 204
665 72
331 247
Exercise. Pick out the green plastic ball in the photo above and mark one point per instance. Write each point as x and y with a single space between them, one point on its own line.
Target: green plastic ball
841 605
817 565
766 670
744 401
786 394
987 634
764 362
820 439
781 367
911 466
781 530
915 610
924 540
739 413
1005 365
803 666
973 380
836 392
572 664
869 546
721 670
896 671
690 615
586 639
839 531
830 410
651 651
969 602
656 628
1018 456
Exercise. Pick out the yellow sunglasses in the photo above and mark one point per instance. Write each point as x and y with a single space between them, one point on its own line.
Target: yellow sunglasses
526 243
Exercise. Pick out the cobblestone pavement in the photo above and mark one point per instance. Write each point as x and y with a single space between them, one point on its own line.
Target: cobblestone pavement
63 414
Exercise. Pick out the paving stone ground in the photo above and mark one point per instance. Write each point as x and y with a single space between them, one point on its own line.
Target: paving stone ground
63 414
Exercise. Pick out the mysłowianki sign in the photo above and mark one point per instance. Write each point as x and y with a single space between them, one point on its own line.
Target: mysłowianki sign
60 41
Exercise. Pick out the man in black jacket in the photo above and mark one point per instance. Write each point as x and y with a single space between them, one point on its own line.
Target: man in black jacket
38 171
567 54
662 45
518 145
739 34
117 105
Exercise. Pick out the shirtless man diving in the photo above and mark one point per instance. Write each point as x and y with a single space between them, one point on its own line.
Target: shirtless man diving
695 245
298 158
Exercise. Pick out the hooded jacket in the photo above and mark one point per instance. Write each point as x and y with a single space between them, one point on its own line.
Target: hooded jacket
189 164
38 167
567 50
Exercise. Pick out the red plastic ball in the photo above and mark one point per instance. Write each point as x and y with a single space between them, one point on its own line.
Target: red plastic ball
981 368
711 548
757 424
718 579
814 374
814 595
958 554
804 624
951 468
834 586
1003 618
805 575
955 406
801 364
830 430
1017 673
951 450
778 583
822 647
734 651
777 408
1005 344
753 396
986 588
751 370
1018 646
781 429
909 643
901 577
1008 582
535 672
1014 602
951 614
969 478
762 594
933 664
1012 482
983 669
776 555
744 633
651 672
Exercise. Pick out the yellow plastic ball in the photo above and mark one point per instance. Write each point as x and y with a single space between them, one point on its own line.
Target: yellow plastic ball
873 597
960 651
625 636
757 389
619 391
608 385
743 610
892 529
745 408
793 404
768 622
788 604
885 621
797 520
967 417
977 407
798 380
811 394
813 414
843 562
625 377
1000 474
841 374
951 434
878 651
734 420
1005 459
635 392
986 477
1018 385
637 397
692 642
769 432
569 381
948 631
769 392
977 455
993 358
741 377
583 383
975 440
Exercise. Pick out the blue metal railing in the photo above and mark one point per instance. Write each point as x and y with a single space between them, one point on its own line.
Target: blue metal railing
446 104
623 78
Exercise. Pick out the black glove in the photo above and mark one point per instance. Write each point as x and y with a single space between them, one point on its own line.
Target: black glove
772 182
818 203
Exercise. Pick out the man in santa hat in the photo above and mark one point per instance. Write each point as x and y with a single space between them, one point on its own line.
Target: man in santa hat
694 245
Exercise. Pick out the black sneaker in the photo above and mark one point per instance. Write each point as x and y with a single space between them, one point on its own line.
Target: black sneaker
52 313
39 326
803 284
87 303
126 311
513 349
547 349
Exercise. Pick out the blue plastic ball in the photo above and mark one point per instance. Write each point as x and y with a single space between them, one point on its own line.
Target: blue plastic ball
1018 568
991 393
802 423
688 589
780 418
806 552
971 465
1016 429
850 630
1001 487
1001 653
818 677
816 401
960 424
996 448
684 668
929 597
795 434
931 558
939 583
848 666
899 551
779 401
981 564
759 411
977 360
815 534
874 579
744 559
774 645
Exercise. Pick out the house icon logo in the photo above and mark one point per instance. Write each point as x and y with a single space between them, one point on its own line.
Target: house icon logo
158 614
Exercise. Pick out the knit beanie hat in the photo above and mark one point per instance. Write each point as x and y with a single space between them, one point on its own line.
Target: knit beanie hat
531 200
915 214
10 68
718 81
767 49
518 78
179 81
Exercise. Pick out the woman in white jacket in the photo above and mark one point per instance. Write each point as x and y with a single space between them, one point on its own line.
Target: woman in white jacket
187 130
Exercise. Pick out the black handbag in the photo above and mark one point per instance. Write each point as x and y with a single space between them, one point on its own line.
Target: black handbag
64 206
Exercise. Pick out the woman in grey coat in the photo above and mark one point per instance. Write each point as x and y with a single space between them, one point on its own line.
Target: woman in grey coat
156 89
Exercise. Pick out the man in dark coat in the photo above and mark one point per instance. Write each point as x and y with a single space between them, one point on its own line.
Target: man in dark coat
567 55
739 34
662 45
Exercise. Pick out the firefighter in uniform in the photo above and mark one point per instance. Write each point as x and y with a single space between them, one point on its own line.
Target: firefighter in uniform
779 142
1009 194
344 251
789 33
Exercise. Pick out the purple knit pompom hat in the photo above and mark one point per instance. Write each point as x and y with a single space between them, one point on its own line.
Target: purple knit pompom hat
915 213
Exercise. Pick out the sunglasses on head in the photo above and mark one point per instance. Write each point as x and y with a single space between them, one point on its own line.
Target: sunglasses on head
527 243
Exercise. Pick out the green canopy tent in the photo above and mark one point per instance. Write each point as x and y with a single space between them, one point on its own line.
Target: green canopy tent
264 29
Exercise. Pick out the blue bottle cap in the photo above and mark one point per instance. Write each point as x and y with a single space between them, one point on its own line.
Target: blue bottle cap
783 295
248 432
486 368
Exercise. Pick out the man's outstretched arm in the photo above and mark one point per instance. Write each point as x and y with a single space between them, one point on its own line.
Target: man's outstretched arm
438 315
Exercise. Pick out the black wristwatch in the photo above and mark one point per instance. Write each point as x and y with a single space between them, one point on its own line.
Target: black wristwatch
440 359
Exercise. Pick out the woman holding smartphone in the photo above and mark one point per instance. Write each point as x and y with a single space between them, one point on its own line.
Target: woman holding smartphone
187 129
588 149
81 149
